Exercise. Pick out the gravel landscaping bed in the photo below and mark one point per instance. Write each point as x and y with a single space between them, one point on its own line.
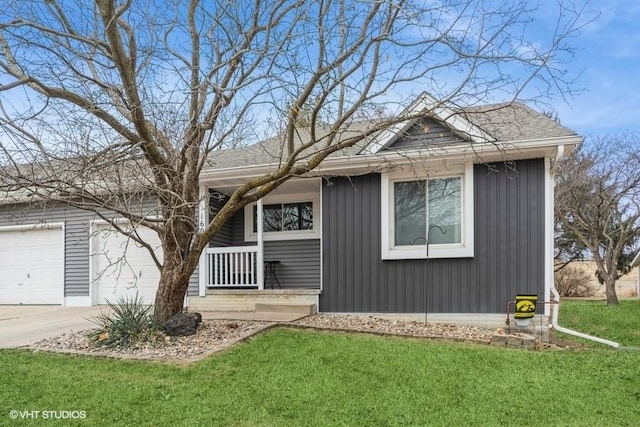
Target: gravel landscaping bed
212 336
216 335
397 327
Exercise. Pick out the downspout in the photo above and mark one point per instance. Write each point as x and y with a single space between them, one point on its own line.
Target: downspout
554 324
554 291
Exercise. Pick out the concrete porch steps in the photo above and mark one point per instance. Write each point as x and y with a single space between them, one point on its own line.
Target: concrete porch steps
247 299
306 309
251 315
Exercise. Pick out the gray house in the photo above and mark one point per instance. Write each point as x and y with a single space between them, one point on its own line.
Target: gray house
450 215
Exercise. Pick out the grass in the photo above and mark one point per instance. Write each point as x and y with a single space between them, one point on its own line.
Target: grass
619 323
308 378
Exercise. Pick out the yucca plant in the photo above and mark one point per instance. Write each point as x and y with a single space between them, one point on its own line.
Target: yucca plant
128 324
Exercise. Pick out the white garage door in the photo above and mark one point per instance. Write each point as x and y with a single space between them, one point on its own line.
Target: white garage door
31 266
121 267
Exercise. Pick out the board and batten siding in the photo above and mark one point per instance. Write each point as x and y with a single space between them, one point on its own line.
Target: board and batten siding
76 240
508 257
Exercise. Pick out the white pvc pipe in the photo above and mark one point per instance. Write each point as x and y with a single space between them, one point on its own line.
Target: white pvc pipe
554 324
556 296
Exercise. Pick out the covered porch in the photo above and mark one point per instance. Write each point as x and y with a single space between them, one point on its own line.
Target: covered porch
268 253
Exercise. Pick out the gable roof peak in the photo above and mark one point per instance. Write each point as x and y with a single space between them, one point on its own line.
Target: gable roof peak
427 106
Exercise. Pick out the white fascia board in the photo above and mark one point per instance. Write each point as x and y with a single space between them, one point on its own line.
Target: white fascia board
38 226
462 153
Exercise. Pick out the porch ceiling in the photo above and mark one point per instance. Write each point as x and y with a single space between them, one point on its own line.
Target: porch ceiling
293 186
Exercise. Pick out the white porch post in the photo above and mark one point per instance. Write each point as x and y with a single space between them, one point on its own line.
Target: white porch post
260 260
203 220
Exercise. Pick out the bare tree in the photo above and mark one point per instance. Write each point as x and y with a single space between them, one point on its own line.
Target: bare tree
116 106
598 204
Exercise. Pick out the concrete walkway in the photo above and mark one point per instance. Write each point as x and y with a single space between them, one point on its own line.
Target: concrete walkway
24 325
21 325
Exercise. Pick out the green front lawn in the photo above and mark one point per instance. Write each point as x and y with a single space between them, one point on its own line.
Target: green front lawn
620 323
299 378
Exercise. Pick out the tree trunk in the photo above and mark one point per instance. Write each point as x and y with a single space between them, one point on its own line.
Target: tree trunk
610 289
172 288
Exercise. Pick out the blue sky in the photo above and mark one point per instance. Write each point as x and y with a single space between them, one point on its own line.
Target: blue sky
607 51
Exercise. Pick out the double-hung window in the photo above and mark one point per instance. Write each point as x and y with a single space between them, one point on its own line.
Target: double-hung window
429 216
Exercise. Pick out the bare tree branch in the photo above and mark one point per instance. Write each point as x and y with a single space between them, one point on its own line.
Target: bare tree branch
104 104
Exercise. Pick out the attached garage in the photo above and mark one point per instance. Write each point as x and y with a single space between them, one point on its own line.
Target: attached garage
120 267
32 265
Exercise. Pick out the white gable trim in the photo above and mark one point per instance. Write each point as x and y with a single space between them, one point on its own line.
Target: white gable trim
426 102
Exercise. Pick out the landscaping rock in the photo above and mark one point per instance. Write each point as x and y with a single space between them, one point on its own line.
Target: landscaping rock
182 324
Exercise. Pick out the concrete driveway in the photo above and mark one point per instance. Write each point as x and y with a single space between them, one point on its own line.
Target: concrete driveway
22 325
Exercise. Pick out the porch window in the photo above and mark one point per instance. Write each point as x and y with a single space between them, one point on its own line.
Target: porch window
285 217
427 217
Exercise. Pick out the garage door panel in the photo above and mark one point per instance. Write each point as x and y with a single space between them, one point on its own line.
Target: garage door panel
31 266
123 268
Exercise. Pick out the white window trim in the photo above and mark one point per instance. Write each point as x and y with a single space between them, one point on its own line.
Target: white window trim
465 249
314 233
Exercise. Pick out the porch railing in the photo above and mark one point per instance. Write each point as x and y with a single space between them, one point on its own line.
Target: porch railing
232 266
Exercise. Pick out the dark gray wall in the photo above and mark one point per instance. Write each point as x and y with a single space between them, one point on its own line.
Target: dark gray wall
509 249
76 251
222 237
425 133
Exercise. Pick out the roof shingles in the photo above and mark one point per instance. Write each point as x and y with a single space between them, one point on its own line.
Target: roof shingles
507 122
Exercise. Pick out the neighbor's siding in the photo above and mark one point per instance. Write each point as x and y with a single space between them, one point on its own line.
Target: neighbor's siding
76 239
509 249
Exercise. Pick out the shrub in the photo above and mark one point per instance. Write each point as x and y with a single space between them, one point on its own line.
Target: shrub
573 282
128 324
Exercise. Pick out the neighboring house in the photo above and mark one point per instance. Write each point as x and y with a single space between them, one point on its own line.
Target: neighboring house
450 215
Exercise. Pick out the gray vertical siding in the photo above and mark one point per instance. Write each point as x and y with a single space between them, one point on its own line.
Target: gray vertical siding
76 239
509 249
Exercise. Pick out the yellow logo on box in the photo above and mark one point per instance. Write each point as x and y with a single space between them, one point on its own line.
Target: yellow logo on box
525 306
